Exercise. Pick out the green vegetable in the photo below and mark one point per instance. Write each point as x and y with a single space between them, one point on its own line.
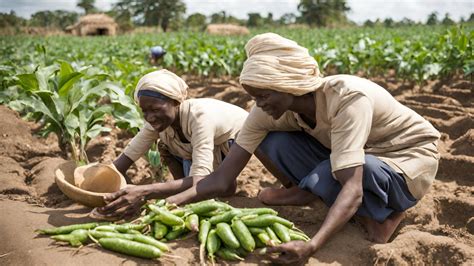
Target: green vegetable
282 232
225 233
159 230
165 217
204 206
267 220
272 235
129 247
75 238
67 229
243 235
228 254
213 244
224 217
175 233
192 222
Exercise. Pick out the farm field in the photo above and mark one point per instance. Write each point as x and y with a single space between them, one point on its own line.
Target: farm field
65 98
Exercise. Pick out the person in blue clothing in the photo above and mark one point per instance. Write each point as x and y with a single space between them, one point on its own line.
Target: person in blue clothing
156 53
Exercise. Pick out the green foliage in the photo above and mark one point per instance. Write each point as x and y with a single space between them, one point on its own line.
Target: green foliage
11 20
66 102
69 83
87 5
155 12
255 20
196 21
323 12
58 18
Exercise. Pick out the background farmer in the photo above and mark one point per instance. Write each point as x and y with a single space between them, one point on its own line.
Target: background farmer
156 53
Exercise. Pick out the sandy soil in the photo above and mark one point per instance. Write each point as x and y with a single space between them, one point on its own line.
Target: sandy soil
439 230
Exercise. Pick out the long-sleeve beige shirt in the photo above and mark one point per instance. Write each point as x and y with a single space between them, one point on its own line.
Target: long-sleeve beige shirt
354 117
207 124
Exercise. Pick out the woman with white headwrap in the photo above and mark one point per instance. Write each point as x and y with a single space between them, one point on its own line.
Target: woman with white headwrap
194 134
342 139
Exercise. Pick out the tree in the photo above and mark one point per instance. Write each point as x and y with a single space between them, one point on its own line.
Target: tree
255 20
87 5
268 21
471 18
219 17
323 12
196 20
388 22
57 19
447 20
369 23
287 18
406 22
122 16
432 19
11 20
164 13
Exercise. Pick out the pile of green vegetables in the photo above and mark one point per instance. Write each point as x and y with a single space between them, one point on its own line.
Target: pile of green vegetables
223 231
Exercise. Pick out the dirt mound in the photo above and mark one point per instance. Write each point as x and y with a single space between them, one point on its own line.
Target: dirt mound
438 230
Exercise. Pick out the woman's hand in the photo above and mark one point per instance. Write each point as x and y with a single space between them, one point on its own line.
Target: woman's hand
291 253
124 204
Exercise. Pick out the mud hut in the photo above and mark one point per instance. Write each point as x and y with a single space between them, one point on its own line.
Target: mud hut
226 29
94 24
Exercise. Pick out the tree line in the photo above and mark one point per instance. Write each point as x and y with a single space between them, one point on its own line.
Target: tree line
170 14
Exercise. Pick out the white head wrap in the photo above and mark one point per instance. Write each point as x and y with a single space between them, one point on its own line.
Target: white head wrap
164 82
279 64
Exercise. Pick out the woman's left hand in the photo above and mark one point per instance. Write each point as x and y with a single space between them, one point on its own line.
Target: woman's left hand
291 253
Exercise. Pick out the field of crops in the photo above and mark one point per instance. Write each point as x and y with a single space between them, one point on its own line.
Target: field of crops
60 70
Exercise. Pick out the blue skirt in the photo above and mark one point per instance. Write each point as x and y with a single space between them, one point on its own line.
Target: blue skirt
306 163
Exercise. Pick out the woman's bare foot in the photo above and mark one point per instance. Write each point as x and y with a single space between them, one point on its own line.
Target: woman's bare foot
286 196
381 232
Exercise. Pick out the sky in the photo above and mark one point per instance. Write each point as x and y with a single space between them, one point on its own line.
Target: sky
361 10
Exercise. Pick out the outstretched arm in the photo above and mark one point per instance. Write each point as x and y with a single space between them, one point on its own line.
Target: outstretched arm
345 206
220 183
122 163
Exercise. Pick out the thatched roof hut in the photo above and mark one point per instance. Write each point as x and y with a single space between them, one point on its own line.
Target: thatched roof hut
226 29
94 24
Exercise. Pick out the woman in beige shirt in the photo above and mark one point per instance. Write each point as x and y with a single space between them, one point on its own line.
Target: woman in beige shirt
196 133
342 139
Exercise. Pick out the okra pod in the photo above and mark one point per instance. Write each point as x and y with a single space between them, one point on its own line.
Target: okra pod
67 229
225 233
175 234
159 230
165 217
224 217
256 230
213 243
267 220
243 234
204 228
282 232
75 238
192 222
228 254
129 247
151 241
204 206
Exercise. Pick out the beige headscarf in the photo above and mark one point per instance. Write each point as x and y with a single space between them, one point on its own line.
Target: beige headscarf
164 82
279 64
